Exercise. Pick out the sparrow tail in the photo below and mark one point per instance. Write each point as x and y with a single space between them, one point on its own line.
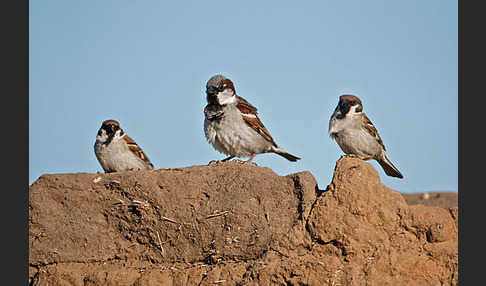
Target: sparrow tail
389 169
285 154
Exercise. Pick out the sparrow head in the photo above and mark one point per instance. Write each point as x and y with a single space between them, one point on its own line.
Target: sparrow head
348 104
220 90
109 130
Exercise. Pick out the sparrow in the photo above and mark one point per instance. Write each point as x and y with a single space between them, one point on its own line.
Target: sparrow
117 152
357 136
232 125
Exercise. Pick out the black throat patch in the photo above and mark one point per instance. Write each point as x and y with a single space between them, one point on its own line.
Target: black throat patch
213 112
111 135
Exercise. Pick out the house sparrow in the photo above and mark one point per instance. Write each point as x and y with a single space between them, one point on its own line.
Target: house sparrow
117 152
356 135
232 125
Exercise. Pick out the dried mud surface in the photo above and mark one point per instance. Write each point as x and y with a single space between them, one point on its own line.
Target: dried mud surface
435 199
235 224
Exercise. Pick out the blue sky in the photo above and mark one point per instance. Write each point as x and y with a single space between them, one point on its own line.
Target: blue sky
146 63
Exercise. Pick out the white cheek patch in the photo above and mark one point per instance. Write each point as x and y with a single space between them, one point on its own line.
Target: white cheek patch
353 109
117 134
226 96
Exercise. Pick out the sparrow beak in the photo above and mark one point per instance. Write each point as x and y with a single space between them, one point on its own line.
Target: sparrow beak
211 95
110 129
211 90
343 106
340 110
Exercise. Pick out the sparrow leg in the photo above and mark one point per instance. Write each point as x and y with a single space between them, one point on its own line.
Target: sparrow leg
249 161
367 157
364 158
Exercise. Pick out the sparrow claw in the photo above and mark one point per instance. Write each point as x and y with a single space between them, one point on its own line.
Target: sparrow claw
351 156
214 162
364 158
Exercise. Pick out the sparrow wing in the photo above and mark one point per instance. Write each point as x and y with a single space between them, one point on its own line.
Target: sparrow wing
250 115
135 149
370 128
